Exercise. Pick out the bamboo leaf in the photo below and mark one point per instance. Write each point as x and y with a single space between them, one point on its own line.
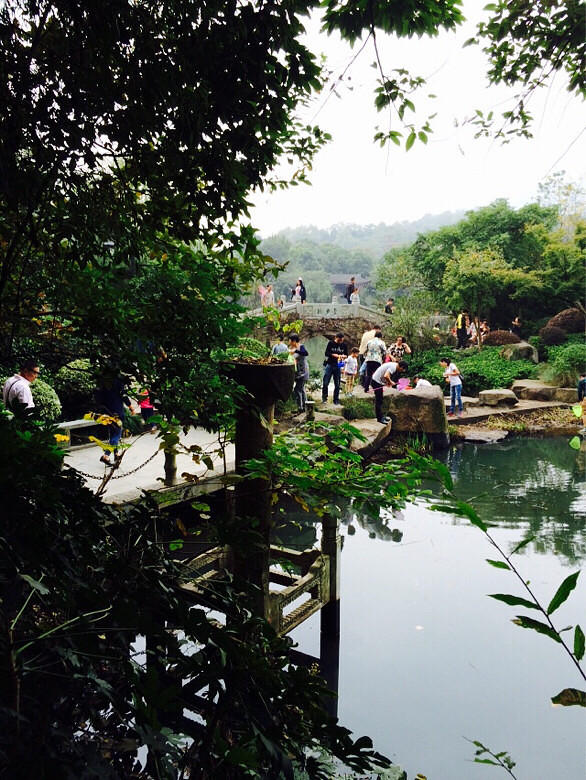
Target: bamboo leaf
522 544
498 564
563 592
513 601
578 643
536 625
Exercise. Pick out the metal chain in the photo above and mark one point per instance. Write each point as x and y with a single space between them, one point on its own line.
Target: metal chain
119 476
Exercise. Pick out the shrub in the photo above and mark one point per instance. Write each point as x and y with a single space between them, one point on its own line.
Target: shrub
482 370
498 338
569 320
567 365
75 384
536 342
46 401
357 408
552 336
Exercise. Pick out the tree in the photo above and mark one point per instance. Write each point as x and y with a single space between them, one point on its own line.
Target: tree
486 284
527 44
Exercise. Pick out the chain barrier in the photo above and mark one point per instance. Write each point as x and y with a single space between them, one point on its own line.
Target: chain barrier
119 476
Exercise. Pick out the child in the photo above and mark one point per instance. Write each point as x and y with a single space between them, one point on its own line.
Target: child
351 370
147 410
452 375
419 381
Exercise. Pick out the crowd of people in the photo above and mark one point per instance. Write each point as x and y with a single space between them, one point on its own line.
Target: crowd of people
372 364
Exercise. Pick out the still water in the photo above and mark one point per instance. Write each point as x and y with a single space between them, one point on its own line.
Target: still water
427 659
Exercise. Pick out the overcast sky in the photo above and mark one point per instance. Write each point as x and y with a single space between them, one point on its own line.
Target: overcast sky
355 180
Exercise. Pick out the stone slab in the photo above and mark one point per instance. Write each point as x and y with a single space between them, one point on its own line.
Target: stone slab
482 436
533 390
568 395
498 397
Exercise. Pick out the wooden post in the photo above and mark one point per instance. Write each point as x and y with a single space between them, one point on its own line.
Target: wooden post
329 638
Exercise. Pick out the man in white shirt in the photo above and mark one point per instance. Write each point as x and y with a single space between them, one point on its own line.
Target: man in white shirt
388 374
17 388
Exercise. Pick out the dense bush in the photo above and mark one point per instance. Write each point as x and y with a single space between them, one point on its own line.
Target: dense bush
498 338
481 370
552 336
46 400
536 342
75 384
569 320
357 408
566 365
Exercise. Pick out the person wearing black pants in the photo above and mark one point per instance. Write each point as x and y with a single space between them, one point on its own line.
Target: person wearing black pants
386 375
336 351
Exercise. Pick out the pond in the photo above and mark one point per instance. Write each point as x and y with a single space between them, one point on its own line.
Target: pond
427 660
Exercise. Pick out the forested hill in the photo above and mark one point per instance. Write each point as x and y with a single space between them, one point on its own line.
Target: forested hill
375 239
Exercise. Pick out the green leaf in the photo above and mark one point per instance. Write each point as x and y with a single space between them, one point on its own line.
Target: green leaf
570 697
513 601
410 141
176 545
35 584
578 643
469 512
563 592
522 544
498 564
536 625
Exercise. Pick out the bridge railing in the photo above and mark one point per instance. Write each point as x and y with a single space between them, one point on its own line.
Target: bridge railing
334 310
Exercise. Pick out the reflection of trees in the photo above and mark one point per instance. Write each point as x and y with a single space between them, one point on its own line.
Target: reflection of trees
536 485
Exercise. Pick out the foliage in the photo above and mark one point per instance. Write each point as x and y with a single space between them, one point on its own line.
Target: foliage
480 279
536 342
356 408
498 338
482 369
316 467
66 662
413 319
75 384
552 336
502 758
497 262
248 347
569 362
47 403
528 45
570 320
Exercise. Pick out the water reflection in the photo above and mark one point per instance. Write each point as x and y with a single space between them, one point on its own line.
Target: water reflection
535 485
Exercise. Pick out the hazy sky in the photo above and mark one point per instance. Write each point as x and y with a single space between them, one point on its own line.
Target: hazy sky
355 180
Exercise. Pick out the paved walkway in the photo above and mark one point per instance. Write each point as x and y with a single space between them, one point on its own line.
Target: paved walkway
132 477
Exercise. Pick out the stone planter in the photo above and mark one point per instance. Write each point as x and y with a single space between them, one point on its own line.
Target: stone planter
266 382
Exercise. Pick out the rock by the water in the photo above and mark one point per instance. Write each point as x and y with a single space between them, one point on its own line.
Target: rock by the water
533 390
567 395
417 411
482 435
521 351
498 397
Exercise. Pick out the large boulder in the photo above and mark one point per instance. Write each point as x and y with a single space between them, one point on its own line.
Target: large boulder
533 390
418 411
498 397
521 351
